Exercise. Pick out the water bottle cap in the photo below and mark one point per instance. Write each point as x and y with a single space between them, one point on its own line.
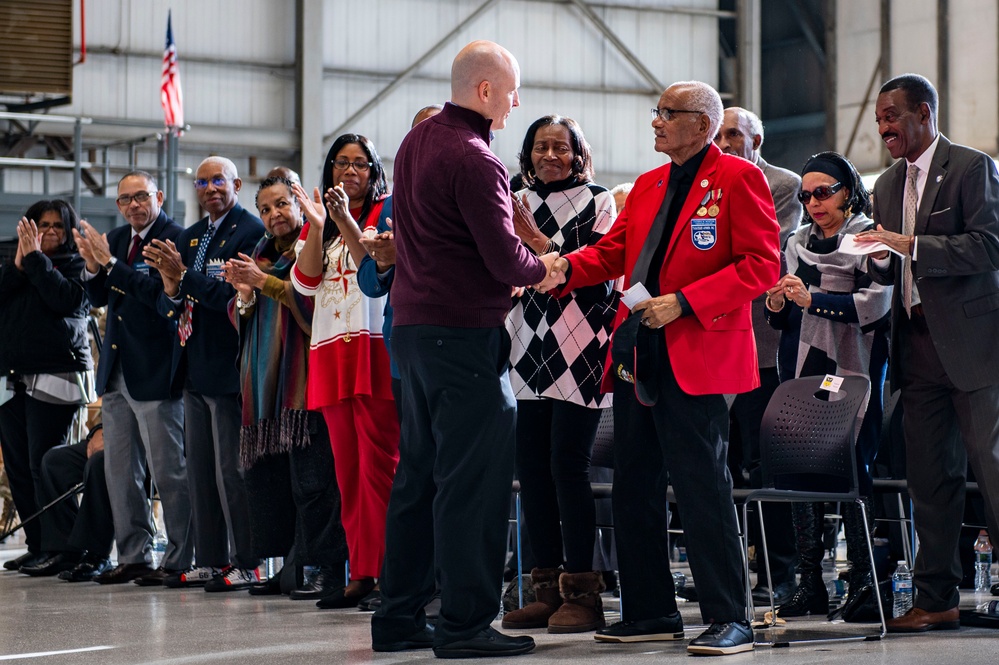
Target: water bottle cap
902 562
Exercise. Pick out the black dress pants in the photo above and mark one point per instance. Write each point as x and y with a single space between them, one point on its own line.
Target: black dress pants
683 437
554 442
28 429
451 495
66 528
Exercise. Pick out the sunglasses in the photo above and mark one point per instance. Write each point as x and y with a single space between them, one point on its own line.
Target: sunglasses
820 193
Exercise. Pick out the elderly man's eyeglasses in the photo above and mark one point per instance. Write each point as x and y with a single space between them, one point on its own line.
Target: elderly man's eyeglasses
667 114
217 181
359 166
138 197
821 193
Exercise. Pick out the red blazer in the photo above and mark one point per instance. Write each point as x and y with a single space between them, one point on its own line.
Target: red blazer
712 351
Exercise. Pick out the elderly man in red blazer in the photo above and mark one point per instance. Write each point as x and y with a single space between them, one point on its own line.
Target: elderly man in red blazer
701 235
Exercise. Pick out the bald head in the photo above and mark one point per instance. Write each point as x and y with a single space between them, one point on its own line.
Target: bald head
484 78
284 172
425 113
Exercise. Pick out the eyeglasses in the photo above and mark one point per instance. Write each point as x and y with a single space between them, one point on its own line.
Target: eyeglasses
667 114
217 181
51 226
821 193
138 197
359 166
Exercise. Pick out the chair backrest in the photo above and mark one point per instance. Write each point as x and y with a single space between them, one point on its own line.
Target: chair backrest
603 444
803 434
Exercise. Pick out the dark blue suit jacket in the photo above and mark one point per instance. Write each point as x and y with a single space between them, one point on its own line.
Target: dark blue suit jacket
210 352
136 334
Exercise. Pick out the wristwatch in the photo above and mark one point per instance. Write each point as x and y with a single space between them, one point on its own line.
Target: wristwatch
110 264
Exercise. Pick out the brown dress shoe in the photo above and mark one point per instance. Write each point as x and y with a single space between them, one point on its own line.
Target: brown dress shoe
918 620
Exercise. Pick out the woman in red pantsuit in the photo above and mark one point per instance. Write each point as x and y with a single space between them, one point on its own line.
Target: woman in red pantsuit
349 379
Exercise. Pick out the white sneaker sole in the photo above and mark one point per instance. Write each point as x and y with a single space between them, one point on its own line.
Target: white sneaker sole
650 637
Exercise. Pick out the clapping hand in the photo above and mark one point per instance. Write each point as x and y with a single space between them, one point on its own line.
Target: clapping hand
311 208
381 247
28 240
525 226
244 274
93 246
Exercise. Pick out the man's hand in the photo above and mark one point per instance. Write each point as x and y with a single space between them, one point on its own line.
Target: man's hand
556 266
900 243
95 242
659 311
96 443
163 255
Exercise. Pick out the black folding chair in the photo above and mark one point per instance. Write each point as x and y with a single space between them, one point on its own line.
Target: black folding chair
810 431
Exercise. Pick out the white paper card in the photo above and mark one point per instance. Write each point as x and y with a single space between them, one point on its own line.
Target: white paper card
636 294
831 383
849 245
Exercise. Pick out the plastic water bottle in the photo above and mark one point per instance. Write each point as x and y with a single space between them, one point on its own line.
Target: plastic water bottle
991 608
901 586
679 580
983 563
159 548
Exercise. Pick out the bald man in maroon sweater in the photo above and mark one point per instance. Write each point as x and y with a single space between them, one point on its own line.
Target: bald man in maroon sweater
457 259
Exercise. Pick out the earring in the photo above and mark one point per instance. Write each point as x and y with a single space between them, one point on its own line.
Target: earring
849 212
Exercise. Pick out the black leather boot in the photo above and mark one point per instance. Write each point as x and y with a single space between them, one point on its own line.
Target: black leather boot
811 596
861 605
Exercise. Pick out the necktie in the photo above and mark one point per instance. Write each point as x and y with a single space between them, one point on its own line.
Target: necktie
134 248
909 228
640 272
184 326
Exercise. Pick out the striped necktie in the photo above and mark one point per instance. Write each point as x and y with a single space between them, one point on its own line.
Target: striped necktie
184 326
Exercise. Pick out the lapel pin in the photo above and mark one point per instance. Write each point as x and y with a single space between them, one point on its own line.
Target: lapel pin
659 184
704 183
939 178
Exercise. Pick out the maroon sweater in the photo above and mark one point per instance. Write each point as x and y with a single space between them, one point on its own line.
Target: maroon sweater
457 255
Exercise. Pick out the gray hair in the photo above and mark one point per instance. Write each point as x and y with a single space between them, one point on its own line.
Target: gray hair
228 167
706 99
138 173
753 120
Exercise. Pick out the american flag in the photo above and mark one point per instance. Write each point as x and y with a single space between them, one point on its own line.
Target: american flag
170 96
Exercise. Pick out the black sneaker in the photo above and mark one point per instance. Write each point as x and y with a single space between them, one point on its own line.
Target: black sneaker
487 643
193 577
663 629
723 639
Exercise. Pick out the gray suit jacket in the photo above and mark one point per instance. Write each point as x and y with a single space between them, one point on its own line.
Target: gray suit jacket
784 187
957 271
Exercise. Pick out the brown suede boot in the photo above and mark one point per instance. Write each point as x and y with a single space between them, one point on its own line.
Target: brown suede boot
535 615
582 610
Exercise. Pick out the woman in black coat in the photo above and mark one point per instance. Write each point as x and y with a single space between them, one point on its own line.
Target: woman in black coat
46 371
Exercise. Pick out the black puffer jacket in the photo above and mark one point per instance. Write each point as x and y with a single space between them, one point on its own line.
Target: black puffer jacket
43 316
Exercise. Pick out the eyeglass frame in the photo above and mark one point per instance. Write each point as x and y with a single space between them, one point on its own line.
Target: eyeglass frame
217 181
667 114
359 166
805 196
135 197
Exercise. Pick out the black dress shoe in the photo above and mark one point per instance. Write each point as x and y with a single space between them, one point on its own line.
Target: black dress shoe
487 643
782 594
156 577
663 629
995 589
86 570
323 582
723 639
421 639
338 600
55 564
371 602
269 587
26 559
124 572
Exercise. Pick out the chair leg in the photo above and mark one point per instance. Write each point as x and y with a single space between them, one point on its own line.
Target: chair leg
520 558
750 610
874 572
766 564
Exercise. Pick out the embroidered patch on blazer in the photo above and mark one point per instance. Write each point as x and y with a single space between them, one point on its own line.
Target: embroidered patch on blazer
704 233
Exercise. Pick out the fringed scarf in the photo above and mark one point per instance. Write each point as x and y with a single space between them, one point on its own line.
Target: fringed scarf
273 361
825 270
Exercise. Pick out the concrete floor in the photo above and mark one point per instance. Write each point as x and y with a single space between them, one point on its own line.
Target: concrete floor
49 621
